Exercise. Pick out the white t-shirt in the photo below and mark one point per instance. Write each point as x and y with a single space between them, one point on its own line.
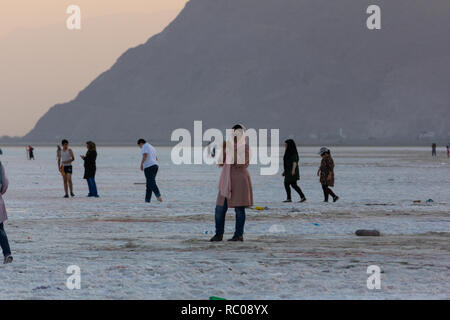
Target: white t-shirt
151 158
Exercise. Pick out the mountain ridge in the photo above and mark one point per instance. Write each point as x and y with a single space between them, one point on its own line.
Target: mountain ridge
309 68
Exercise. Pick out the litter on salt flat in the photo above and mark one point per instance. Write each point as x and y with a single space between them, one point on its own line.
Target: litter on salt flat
216 298
367 233
430 201
41 288
417 201
277 228
258 208
316 224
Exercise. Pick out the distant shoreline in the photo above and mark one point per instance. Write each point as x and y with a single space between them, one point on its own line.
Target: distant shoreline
121 145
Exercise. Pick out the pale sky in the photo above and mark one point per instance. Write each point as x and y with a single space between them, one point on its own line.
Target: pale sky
49 64
35 13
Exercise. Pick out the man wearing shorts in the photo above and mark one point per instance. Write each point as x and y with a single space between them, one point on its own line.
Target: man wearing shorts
65 159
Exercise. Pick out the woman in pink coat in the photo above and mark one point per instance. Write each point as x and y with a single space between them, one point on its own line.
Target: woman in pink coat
235 186
3 217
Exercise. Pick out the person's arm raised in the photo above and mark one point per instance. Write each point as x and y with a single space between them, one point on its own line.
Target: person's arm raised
247 159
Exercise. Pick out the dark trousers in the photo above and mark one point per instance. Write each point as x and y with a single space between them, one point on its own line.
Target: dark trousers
220 214
150 176
288 185
92 187
4 241
327 192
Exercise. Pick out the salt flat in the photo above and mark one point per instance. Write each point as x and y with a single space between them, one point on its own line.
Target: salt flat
129 250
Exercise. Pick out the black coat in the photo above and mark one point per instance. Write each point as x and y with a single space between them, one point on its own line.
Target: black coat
288 162
89 164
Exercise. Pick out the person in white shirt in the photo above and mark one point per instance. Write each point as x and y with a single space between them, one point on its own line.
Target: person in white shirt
65 159
149 165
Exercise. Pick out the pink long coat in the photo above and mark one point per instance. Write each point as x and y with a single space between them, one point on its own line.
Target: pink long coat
3 188
241 185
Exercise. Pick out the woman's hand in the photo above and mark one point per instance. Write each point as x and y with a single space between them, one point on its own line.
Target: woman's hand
82 157
318 172
294 167
282 174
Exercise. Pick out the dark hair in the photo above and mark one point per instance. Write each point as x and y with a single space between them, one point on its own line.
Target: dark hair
291 148
91 146
141 141
237 127
64 142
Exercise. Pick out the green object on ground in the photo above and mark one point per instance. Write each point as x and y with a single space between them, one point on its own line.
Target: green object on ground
216 298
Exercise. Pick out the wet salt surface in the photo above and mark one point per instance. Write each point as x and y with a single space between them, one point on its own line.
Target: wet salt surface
129 250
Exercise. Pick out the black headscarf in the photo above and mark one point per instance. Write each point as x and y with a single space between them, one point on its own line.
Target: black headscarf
291 149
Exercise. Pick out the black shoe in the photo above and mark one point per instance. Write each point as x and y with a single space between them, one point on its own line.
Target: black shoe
72 195
303 200
66 196
335 199
287 200
8 259
217 238
237 238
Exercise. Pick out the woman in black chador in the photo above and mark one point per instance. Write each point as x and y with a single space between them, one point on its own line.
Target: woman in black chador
291 172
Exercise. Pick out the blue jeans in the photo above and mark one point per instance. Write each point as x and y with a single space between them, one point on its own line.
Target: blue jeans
220 213
4 241
150 176
92 187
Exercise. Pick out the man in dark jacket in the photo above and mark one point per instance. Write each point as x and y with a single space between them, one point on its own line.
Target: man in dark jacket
90 168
